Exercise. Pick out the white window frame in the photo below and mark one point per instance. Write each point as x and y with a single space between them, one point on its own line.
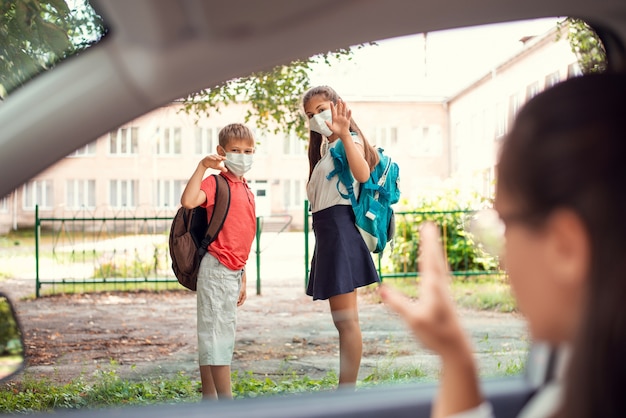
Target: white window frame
384 136
293 145
168 193
88 150
500 119
293 193
573 70
38 192
429 140
553 79
124 141
169 140
532 90
515 104
123 190
80 193
206 140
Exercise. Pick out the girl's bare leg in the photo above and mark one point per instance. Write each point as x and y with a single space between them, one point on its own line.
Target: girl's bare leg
346 318
215 382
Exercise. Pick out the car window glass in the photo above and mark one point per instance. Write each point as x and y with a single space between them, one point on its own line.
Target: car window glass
438 103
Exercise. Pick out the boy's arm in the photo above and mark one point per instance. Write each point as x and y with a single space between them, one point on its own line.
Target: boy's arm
193 195
242 291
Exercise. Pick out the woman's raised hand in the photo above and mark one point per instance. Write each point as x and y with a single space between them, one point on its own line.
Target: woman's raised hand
433 317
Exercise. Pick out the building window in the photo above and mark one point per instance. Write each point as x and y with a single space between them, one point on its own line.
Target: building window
168 140
168 193
38 192
4 204
293 193
86 151
515 103
384 137
292 145
573 70
80 194
532 90
552 79
206 140
123 193
428 141
124 141
500 120
287 193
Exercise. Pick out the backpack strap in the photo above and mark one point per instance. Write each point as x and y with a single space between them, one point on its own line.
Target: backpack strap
383 178
342 170
220 210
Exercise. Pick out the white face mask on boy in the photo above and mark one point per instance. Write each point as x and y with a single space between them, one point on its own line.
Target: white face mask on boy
238 163
317 123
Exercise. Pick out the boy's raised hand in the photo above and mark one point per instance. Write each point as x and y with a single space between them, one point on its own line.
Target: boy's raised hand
433 317
214 161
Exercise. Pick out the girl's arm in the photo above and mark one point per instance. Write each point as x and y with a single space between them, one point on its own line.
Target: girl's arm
193 195
354 152
434 322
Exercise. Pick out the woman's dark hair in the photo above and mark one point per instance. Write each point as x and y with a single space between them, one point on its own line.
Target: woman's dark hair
567 150
315 139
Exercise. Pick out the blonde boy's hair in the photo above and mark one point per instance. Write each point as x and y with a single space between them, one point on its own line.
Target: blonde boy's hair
234 131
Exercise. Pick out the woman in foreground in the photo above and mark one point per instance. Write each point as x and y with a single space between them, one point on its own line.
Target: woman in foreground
561 198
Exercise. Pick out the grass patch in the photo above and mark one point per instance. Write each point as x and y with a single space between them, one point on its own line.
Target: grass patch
481 294
484 295
107 389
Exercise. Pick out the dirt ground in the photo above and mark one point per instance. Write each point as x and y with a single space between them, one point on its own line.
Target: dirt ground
144 334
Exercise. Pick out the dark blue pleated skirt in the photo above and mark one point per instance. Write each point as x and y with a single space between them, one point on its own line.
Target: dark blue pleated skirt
341 261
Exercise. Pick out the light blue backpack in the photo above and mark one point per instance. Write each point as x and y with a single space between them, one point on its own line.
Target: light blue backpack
373 212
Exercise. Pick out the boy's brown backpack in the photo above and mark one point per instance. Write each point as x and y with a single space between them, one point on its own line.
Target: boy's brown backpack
191 234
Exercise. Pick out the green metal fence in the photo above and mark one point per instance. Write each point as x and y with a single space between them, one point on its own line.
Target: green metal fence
82 253
399 259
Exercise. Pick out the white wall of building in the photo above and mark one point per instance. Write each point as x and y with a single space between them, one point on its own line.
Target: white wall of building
141 168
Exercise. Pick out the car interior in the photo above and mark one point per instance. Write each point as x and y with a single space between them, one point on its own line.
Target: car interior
155 51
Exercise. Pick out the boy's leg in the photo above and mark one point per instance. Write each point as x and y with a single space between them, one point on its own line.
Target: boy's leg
346 318
217 294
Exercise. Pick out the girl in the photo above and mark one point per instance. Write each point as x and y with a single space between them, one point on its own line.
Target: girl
560 197
341 261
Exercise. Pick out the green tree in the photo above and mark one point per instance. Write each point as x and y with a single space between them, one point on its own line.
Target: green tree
274 95
587 46
35 35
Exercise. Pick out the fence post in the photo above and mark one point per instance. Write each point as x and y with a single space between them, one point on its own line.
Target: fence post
37 228
306 243
258 255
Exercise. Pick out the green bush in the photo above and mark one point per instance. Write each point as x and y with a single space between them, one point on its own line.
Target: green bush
452 213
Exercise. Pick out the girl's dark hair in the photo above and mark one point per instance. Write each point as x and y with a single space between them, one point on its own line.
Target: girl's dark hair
315 139
567 149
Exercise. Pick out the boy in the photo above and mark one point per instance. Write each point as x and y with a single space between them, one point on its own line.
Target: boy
222 276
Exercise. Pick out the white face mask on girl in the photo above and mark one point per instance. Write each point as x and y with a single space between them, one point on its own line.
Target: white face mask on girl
317 123
238 163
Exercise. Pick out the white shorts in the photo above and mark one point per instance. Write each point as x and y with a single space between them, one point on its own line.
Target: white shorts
217 294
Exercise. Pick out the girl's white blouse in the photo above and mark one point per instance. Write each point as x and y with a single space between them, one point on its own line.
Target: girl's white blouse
322 192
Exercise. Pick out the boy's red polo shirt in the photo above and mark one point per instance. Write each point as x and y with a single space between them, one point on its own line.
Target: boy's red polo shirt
233 243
